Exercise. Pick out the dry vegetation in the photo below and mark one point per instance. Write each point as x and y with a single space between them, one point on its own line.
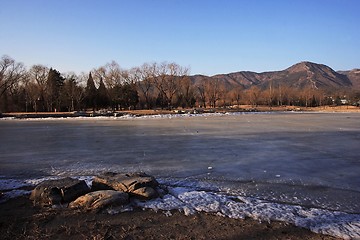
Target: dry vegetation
164 86
20 220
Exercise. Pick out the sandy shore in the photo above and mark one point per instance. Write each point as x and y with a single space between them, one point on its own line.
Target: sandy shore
20 220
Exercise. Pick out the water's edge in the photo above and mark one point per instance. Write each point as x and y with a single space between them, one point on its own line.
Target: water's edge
190 197
300 168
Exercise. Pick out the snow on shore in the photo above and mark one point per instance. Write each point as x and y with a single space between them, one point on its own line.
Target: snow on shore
322 221
131 116
190 200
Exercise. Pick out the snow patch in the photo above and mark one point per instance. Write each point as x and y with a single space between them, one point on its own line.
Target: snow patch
198 198
13 194
8 184
190 201
130 116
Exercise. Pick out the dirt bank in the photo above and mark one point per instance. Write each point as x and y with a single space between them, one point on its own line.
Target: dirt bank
20 220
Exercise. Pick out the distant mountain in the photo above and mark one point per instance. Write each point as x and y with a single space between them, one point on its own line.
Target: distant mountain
354 76
300 75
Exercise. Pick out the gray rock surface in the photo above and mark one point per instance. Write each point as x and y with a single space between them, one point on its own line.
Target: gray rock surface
136 184
145 193
59 191
100 199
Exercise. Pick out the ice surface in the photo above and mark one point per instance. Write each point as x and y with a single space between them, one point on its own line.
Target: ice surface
131 116
13 194
192 199
189 201
301 168
8 184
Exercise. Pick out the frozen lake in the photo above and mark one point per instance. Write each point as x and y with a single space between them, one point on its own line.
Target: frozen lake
317 150
305 159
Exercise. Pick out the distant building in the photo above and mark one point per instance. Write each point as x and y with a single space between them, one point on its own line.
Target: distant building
344 101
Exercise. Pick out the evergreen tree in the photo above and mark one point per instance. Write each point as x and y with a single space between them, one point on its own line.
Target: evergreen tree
102 95
129 96
72 94
116 97
90 93
54 86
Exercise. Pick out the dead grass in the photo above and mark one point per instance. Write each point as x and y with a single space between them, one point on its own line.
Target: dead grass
20 220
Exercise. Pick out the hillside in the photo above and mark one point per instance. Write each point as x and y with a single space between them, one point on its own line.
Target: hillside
301 75
354 76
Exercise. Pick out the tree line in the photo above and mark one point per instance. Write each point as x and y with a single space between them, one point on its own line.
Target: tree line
149 86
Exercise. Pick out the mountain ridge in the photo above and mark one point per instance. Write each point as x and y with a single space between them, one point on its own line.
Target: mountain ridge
301 75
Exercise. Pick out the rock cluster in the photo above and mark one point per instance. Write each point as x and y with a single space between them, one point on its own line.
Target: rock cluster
100 199
109 189
53 192
139 185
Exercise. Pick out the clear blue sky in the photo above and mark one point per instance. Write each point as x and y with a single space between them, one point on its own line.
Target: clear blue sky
208 36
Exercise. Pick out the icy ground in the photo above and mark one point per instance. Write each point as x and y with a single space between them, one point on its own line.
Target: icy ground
301 168
190 200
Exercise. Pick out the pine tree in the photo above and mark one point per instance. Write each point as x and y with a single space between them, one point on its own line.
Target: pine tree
102 95
90 93
130 97
54 85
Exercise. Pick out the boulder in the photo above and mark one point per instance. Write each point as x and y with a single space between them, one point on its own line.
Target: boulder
59 191
145 193
130 183
100 199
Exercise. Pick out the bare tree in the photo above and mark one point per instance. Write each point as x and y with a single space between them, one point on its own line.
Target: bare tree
214 91
269 94
72 93
307 95
144 78
280 95
81 83
11 74
287 96
186 93
39 74
253 95
236 95
114 78
31 96
178 81
167 81
36 86
201 87
111 73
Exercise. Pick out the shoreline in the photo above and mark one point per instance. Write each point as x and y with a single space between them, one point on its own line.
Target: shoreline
238 215
140 113
307 217
28 222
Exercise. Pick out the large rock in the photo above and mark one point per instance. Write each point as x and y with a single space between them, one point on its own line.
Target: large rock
100 199
60 191
145 193
137 184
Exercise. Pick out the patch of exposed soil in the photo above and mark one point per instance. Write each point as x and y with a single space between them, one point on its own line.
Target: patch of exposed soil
20 220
